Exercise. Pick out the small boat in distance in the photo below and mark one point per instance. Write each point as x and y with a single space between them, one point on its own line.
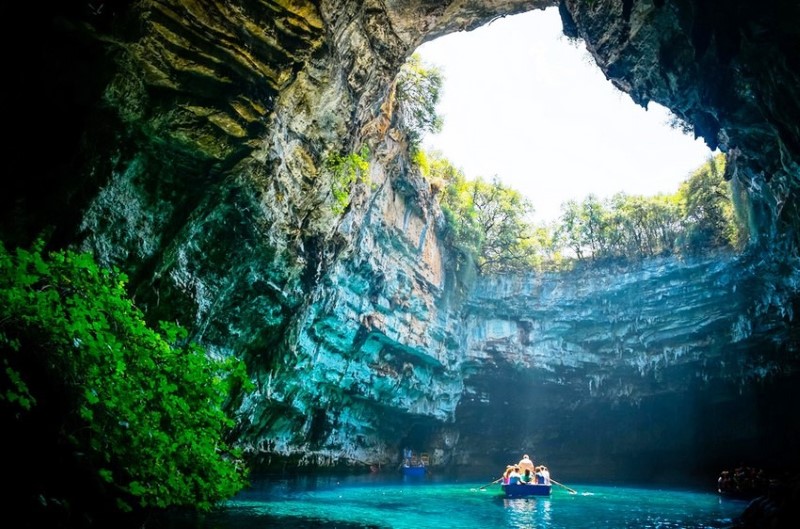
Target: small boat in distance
413 470
523 490
414 464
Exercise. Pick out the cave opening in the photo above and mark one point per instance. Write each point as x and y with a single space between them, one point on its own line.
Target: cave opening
523 102
714 408
224 211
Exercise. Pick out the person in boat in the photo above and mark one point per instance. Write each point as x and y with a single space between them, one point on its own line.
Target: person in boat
539 476
546 475
527 477
514 478
507 473
526 462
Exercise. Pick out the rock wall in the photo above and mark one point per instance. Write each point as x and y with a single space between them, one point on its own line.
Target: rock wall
188 144
657 370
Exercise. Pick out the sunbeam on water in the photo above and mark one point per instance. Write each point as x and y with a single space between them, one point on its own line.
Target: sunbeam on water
370 503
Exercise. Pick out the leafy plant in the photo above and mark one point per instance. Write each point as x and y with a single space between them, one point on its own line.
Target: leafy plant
109 414
711 220
488 223
418 88
346 170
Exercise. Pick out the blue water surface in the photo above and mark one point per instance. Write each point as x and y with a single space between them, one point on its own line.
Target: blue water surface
350 503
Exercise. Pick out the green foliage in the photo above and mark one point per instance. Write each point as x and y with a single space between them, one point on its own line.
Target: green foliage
90 389
418 88
706 201
420 159
625 226
488 222
346 170
699 217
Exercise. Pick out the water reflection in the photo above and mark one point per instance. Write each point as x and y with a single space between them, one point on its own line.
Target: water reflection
525 513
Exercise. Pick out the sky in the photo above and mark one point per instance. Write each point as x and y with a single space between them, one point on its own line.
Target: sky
523 103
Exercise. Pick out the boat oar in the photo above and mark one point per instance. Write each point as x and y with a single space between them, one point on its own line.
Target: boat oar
569 489
492 483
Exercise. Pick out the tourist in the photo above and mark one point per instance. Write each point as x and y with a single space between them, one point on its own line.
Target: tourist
527 477
407 453
546 475
526 462
507 473
514 478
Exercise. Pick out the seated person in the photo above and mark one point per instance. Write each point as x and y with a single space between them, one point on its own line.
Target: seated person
527 477
546 475
526 462
507 473
514 478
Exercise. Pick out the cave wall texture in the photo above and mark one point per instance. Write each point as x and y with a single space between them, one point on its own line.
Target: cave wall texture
185 142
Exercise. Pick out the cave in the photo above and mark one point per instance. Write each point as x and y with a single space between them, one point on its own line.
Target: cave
186 143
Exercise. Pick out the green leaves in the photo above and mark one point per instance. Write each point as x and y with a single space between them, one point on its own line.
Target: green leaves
141 409
346 170
711 219
486 221
418 88
698 218
489 224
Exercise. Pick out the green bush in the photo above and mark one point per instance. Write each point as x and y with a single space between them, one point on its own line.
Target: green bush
109 414
346 171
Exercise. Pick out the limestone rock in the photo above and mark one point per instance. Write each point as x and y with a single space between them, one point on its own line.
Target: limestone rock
186 142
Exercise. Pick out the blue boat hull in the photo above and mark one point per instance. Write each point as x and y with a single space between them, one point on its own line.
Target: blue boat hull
523 491
413 471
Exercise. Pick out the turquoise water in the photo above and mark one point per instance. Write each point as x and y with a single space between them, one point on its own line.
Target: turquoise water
396 504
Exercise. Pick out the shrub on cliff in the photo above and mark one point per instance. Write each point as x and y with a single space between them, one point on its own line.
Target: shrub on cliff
418 88
710 215
489 222
105 414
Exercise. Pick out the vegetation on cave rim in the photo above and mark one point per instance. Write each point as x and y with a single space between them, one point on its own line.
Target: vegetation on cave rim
417 91
491 224
98 404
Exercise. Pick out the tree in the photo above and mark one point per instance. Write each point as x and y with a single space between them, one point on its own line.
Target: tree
707 208
487 221
418 87
507 240
108 414
594 225
569 230
624 226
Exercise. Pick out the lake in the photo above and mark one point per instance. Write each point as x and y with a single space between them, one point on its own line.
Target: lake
398 503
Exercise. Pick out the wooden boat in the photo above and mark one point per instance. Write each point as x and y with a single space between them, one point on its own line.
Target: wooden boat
524 490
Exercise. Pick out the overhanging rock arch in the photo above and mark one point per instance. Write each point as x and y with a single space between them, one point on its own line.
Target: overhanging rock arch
193 136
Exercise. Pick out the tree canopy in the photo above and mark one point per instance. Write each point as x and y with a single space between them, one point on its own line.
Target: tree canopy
491 223
418 88
487 222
